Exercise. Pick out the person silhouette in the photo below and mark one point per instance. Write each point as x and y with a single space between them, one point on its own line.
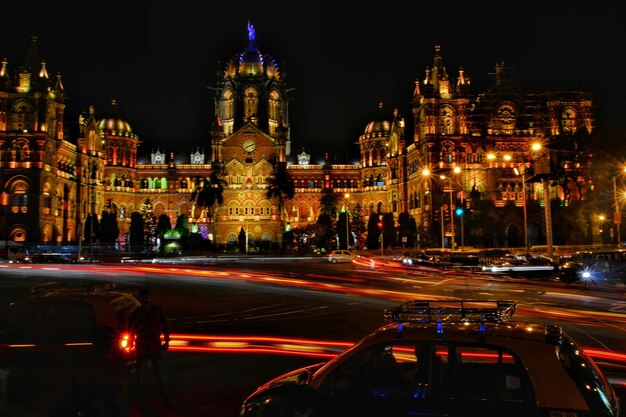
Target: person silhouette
148 323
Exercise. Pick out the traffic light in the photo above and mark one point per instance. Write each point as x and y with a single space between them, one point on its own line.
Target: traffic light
380 225
459 211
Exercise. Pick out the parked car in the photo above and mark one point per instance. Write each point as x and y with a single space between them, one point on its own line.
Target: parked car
446 358
341 256
598 266
66 350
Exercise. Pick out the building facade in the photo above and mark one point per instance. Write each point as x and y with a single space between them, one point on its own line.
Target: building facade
464 148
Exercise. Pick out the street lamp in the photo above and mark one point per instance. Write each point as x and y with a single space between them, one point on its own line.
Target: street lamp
4 201
456 170
347 214
381 227
521 171
423 203
617 219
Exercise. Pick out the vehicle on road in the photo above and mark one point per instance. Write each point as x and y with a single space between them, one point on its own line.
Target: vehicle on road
13 252
341 255
446 358
66 350
523 265
417 258
598 266
50 258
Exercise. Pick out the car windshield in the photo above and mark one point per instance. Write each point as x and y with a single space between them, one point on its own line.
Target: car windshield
590 380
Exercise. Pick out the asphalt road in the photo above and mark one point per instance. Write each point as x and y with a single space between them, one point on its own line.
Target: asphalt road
311 300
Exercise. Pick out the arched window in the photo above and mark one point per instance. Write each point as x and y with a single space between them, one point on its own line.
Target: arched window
447 153
274 105
250 103
19 195
227 105
22 116
568 120
446 120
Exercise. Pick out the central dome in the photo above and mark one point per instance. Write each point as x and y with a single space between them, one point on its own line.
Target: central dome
251 62
378 126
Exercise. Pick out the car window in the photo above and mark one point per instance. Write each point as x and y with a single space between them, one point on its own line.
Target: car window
383 370
478 372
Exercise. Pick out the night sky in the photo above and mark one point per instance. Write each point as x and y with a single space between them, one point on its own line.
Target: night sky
158 62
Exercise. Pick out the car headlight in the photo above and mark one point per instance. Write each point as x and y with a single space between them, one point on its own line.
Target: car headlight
588 274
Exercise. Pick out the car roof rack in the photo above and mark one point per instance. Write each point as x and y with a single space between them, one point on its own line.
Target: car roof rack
437 311
58 287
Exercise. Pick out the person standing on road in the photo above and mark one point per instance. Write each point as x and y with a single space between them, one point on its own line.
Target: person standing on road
148 322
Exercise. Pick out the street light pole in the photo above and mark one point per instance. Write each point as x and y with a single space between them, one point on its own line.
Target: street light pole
5 205
522 171
92 198
347 196
617 218
548 213
443 231
382 243
452 241
462 220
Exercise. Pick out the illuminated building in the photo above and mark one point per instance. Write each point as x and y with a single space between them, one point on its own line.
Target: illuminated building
53 182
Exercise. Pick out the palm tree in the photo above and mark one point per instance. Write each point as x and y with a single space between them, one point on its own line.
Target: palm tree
209 195
281 187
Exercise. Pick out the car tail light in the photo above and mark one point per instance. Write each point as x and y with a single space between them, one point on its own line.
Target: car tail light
126 343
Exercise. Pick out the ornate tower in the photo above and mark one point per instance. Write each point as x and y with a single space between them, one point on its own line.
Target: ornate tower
251 89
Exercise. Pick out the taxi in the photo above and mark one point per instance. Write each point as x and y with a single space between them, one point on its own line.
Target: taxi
446 358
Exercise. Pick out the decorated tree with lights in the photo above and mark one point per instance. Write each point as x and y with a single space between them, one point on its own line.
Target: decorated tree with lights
149 224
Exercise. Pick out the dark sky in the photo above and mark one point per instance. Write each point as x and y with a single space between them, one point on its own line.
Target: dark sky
157 61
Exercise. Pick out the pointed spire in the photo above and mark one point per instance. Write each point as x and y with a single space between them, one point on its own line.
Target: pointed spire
59 85
417 91
43 73
461 80
5 80
3 70
32 60
427 79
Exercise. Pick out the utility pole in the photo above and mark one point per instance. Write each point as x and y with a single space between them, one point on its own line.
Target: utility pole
443 230
548 213
617 218
92 197
453 243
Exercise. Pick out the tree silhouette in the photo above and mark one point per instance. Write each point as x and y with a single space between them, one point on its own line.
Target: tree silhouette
209 194
281 187
182 227
242 238
109 230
